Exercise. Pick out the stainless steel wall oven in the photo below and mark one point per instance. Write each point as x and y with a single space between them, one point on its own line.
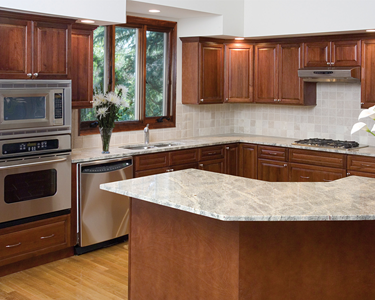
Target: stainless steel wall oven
35 145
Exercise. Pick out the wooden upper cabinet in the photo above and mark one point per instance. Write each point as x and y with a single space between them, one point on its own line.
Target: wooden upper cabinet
368 74
15 40
34 47
82 65
238 73
51 50
333 54
290 85
202 72
266 73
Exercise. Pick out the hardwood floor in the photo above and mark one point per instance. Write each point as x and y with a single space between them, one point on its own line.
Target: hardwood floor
97 275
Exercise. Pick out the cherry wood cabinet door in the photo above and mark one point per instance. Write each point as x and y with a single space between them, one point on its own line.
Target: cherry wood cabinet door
346 53
238 73
290 85
317 54
308 173
266 73
368 74
248 161
231 159
216 165
271 170
51 50
82 66
211 81
16 44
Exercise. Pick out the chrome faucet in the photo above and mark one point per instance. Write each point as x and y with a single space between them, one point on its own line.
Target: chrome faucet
147 134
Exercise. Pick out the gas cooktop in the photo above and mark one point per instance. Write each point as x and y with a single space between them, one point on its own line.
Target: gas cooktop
329 143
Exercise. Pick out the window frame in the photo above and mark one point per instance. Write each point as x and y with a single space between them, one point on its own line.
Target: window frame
143 25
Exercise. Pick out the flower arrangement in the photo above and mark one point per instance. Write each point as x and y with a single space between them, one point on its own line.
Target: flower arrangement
370 112
107 106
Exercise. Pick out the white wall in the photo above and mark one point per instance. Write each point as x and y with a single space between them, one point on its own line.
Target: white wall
290 17
109 11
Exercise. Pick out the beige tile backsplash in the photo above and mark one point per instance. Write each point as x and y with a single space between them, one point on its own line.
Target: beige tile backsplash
337 109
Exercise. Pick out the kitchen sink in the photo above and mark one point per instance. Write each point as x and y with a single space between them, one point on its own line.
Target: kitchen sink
150 146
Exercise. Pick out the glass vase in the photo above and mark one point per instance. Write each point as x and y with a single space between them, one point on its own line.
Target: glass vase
105 134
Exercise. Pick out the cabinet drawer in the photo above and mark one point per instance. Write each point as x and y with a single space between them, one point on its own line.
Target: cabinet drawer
308 173
208 153
361 163
326 159
274 153
363 174
150 172
183 157
151 161
35 238
216 165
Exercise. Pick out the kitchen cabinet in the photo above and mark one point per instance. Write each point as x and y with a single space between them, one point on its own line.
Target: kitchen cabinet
29 240
276 75
232 159
272 163
248 161
203 71
156 163
212 159
34 47
368 74
344 53
309 173
317 158
82 65
239 73
361 166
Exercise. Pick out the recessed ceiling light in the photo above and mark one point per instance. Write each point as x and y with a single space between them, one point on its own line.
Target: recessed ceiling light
154 11
239 39
87 21
370 30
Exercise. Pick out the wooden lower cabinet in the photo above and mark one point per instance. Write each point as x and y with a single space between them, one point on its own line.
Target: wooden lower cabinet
248 161
29 240
363 174
271 170
216 165
308 173
231 159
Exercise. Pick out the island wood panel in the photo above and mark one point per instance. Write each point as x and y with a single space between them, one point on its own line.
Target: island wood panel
181 255
187 256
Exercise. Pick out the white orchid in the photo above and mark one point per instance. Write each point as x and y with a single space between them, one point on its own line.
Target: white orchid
370 112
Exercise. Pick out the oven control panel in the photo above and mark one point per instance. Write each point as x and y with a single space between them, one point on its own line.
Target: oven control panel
34 146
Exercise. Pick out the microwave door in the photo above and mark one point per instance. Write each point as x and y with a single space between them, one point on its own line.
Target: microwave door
25 110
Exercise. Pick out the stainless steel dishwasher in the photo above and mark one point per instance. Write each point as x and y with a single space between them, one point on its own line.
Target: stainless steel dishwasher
103 217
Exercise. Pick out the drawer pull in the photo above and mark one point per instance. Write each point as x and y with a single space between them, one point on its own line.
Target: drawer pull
47 237
272 153
305 177
365 165
170 170
11 246
327 180
211 153
201 165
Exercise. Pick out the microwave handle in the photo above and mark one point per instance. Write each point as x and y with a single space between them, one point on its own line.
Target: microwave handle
33 163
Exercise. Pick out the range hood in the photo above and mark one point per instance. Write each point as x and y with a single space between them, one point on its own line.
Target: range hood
330 74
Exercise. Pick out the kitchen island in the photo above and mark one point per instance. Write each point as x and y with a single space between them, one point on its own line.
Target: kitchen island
203 235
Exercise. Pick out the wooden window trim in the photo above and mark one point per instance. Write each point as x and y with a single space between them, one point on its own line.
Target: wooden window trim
144 24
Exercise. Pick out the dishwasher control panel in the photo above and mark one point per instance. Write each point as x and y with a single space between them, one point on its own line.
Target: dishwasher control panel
107 167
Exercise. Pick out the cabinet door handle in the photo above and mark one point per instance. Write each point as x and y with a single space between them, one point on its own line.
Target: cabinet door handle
202 100
362 103
285 165
305 177
275 100
29 75
201 165
227 99
35 74
11 246
348 174
47 237
328 63
227 148
169 170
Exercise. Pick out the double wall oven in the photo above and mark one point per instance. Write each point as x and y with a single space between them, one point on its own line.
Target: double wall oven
35 145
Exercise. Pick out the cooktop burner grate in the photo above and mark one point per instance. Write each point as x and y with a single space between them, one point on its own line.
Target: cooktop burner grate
328 143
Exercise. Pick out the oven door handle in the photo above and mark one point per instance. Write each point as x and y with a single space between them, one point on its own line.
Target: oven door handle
34 163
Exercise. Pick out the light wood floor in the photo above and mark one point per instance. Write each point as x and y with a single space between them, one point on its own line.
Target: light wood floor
97 275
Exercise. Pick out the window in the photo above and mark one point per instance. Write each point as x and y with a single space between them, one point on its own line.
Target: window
140 55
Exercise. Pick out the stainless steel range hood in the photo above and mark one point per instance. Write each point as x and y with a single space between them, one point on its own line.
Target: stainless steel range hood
331 74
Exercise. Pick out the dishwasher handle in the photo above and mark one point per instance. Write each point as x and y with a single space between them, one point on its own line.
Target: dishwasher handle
106 167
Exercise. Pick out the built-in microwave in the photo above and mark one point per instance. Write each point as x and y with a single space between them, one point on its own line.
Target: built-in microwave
35 105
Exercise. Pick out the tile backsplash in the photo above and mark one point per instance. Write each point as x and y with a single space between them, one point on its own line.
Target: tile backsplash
337 109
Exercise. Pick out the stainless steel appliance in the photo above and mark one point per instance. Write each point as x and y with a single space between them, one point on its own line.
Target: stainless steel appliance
103 217
330 74
38 107
35 143
329 143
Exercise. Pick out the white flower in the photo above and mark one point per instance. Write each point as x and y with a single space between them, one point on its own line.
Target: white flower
370 112
358 126
123 89
113 98
124 103
101 112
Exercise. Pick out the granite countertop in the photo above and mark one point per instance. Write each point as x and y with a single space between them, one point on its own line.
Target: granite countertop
232 198
84 155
